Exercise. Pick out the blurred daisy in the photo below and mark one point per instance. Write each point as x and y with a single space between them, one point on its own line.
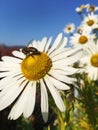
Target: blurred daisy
91 8
90 21
81 39
69 28
90 60
80 9
81 29
40 64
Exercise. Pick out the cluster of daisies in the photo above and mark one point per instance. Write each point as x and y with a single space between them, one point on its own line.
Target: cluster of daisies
48 66
85 36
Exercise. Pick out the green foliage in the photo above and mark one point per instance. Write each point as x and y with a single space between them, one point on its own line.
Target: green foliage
24 124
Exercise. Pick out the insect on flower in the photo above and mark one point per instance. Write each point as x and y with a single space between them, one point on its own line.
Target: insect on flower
30 51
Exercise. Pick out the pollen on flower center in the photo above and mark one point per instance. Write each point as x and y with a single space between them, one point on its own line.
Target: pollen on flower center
90 22
35 67
83 39
94 60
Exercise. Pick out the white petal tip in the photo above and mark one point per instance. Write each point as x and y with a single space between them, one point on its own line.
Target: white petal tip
45 116
63 109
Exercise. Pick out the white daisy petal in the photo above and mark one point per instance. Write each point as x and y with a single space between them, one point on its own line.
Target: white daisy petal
44 40
59 73
61 46
18 54
44 101
59 56
5 82
60 63
95 75
19 106
55 94
56 43
7 97
57 82
48 44
9 67
6 86
11 59
68 70
39 43
8 73
33 43
63 43
4 74
6 64
65 52
30 103
57 52
74 58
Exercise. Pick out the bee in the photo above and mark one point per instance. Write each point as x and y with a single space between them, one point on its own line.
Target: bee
30 51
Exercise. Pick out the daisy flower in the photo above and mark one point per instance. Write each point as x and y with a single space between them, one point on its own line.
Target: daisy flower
91 8
81 29
80 9
39 65
90 60
69 28
90 21
81 39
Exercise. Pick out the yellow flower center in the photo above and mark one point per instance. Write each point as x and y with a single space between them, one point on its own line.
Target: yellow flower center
90 22
35 67
94 60
83 39
69 28
91 8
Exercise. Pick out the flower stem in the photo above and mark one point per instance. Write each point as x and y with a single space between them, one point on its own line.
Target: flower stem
61 120
48 127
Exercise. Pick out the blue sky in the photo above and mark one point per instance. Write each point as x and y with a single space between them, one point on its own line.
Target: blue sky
24 20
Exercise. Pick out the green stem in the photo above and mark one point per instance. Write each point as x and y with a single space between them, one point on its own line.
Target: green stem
62 122
63 126
48 127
